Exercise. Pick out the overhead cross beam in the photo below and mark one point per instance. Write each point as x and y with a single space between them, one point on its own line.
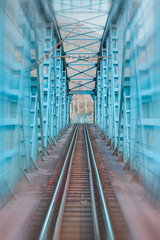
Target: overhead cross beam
87 31
80 47
71 8
80 72
76 45
81 85
81 92
77 84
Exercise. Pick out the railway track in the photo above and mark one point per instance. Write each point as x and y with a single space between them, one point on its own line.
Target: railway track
78 209
75 215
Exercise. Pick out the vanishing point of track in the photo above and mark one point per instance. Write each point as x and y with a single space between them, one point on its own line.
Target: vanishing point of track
77 209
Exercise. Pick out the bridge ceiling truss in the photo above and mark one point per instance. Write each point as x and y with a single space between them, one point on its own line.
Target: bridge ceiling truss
84 22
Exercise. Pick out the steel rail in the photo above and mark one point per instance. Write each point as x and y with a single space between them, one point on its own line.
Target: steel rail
93 175
105 210
94 212
60 213
49 216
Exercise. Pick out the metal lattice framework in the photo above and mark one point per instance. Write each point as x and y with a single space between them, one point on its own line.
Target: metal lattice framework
52 50
81 47
33 98
127 87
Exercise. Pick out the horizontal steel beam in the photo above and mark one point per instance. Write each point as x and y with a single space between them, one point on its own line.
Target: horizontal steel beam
81 92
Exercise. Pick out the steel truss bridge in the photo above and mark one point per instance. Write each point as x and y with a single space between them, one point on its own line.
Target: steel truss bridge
51 50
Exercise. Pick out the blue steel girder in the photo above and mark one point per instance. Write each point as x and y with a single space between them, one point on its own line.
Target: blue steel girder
79 84
35 104
28 99
82 21
80 60
84 46
81 92
71 8
85 29
83 79
83 84
125 88
82 34
84 71
76 45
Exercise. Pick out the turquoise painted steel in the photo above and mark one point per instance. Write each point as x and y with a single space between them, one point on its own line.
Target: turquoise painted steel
33 97
127 88
37 85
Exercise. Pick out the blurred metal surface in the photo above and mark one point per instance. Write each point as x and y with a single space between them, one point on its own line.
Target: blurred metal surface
123 82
